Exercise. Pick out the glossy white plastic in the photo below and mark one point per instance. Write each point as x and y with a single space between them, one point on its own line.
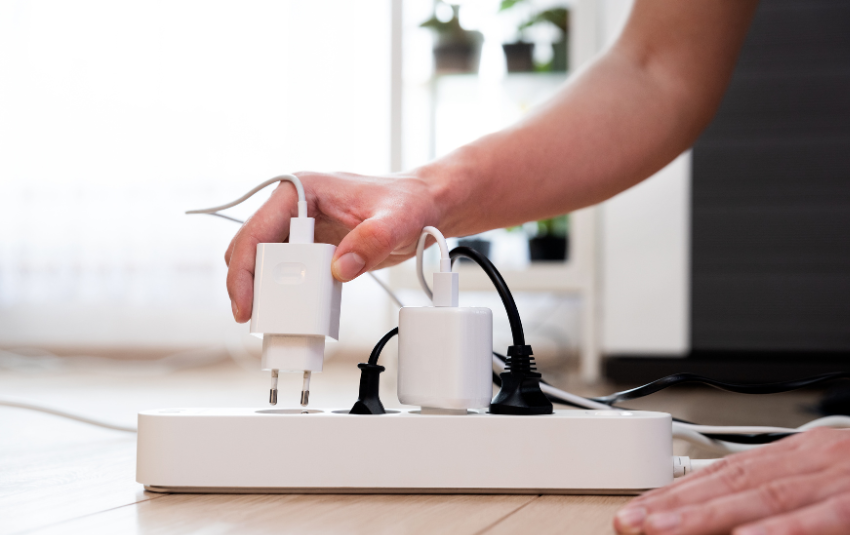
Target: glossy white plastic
248 450
297 300
445 357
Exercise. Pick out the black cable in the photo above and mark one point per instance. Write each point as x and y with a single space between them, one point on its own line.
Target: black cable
760 438
501 288
739 388
519 392
376 351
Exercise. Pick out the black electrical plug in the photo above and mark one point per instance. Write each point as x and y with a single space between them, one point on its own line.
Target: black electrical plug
520 392
369 401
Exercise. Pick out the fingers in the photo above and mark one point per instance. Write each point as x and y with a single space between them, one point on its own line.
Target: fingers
736 475
793 473
269 224
724 513
733 473
830 517
365 247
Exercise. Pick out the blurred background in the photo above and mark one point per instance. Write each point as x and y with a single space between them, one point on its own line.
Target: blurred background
116 117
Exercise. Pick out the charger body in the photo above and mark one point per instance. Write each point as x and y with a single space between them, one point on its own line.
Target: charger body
445 357
296 304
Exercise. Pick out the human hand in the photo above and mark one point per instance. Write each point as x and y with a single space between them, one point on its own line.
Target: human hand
375 221
800 485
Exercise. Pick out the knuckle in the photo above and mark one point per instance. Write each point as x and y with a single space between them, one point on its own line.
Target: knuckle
736 475
778 496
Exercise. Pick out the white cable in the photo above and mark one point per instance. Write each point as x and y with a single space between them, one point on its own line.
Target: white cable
387 289
445 259
699 464
302 199
56 412
709 444
837 422
683 466
420 270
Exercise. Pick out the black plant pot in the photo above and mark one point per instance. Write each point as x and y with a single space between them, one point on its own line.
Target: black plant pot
476 244
457 57
519 56
547 249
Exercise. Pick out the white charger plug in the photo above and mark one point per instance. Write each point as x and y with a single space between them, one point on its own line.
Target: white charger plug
296 300
444 351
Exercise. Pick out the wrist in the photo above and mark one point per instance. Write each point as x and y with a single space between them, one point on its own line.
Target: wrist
451 181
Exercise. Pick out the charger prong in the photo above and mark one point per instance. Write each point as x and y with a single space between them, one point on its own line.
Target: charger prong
305 389
273 391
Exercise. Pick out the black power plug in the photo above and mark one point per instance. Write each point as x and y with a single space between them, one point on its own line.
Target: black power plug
369 401
520 392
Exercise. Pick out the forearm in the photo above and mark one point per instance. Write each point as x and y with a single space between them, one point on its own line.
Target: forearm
621 120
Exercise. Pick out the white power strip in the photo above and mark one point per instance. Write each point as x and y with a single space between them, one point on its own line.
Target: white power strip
288 451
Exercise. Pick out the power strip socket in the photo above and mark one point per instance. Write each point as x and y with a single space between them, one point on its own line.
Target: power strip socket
296 451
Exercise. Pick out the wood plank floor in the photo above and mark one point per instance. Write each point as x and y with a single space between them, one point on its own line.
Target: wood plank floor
59 476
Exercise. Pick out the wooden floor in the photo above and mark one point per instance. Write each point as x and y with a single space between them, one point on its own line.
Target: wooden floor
59 476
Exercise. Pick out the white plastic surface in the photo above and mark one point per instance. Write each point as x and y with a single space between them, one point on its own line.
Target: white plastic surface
294 291
445 293
289 353
301 229
247 450
445 357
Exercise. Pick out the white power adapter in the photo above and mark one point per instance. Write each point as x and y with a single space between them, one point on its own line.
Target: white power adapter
296 301
445 351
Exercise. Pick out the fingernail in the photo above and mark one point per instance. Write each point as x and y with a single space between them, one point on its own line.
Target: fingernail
630 519
664 522
348 266
235 309
750 530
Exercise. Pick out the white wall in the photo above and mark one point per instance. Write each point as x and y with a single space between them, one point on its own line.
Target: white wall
645 240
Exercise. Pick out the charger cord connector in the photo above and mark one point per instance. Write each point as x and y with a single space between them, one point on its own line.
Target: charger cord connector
683 465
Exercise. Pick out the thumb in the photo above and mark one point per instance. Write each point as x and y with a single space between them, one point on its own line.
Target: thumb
369 244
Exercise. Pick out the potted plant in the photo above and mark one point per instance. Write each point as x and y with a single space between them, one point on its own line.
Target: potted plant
551 240
519 55
455 50
560 18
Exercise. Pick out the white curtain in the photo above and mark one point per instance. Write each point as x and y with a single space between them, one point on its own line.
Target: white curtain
115 117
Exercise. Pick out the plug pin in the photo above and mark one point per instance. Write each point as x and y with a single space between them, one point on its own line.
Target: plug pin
305 389
273 391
